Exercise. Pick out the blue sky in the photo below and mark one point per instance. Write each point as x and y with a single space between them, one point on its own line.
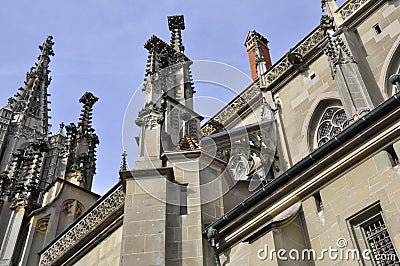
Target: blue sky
99 48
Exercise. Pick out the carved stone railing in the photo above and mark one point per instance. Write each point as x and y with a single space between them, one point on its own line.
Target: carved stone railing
83 227
273 74
280 68
231 110
350 7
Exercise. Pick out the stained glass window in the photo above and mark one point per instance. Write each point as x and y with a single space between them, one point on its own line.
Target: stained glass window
333 121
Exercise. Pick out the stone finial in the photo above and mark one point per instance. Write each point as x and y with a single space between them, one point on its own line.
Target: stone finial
31 100
61 129
124 165
176 24
47 46
155 43
11 100
85 120
88 99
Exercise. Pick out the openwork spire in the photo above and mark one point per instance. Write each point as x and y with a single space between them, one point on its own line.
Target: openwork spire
31 100
176 24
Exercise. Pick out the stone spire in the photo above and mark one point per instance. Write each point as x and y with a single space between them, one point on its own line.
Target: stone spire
30 105
176 24
81 143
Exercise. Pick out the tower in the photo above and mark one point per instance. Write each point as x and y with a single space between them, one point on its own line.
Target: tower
168 113
40 170
258 52
26 115
23 145
166 181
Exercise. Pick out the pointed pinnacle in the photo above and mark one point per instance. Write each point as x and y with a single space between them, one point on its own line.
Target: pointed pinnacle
124 165
61 129
47 46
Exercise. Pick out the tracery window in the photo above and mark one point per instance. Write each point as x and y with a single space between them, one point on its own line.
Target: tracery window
332 122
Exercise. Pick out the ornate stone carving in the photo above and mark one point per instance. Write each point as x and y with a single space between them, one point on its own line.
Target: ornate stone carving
350 7
150 116
42 224
83 227
22 183
68 207
79 209
338 53
21 130
326 23
296 60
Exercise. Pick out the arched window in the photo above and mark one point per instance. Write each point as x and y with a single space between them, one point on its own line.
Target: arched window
332 122
327 120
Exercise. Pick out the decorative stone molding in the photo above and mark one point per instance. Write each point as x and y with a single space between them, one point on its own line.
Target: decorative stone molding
83 227
150 116
350 7
42 224
276 72
296 60
67 207
303 48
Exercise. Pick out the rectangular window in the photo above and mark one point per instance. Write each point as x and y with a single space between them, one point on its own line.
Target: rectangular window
318 201
377 29
183 200
370 232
